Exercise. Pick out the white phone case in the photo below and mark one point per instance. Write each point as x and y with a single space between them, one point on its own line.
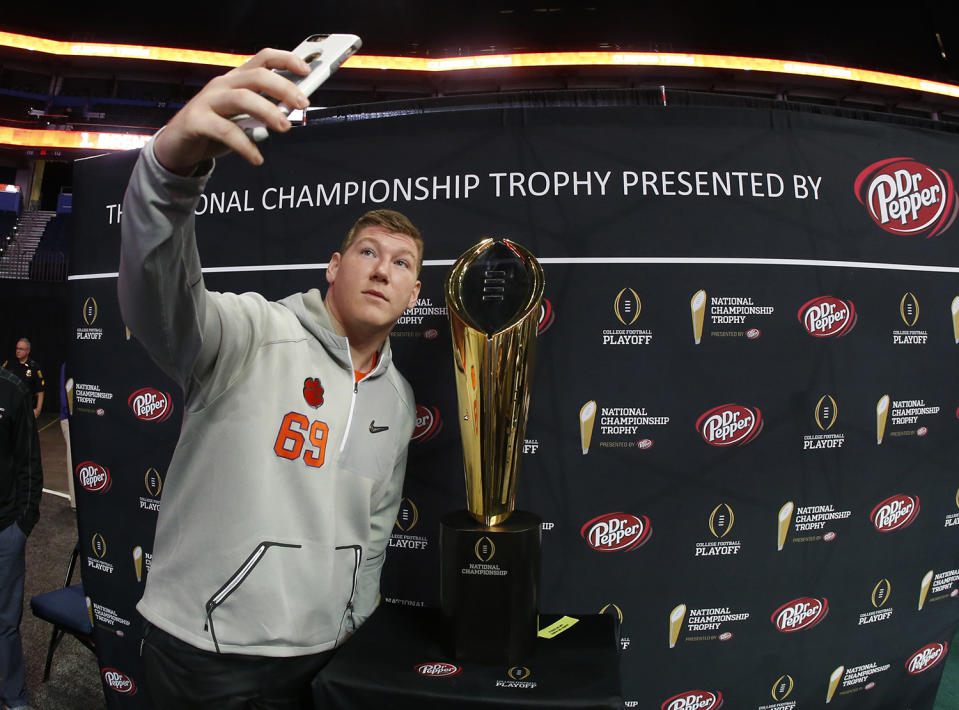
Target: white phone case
324 54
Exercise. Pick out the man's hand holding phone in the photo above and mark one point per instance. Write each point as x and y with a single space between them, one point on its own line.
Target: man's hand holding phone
240 107
203 128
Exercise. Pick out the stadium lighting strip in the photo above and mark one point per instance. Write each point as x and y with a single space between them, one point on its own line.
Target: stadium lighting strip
60 140
115 141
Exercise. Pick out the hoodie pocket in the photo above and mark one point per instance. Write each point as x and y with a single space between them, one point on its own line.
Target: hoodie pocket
347 624
285 595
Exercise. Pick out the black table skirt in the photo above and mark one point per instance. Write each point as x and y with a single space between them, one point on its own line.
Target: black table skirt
378 668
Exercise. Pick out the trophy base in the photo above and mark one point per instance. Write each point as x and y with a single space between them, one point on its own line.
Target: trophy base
489 587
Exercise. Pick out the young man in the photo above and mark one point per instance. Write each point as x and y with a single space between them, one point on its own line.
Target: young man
29 371
21 484
285 483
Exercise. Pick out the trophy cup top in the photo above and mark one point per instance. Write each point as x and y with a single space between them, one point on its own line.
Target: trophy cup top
494 285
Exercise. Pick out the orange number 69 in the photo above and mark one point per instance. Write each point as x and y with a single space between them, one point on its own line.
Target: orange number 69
294 432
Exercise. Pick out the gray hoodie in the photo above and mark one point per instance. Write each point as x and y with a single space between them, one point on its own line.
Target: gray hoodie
285 483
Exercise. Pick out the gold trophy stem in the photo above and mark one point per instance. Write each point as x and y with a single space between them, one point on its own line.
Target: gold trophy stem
785 517
697 307
676 617
882 412
494 294
138 562
587 417
924 588
955 318
834 682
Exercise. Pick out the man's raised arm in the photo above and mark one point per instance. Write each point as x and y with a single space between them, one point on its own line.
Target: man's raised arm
161 291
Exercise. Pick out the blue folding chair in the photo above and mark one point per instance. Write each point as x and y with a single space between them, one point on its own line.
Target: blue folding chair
66 609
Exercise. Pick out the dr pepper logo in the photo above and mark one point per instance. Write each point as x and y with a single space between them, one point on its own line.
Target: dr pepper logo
546 317
93 477
151 405
799 614
120 682
730 425
428 424
617 532
895 512
437 670
827 317
694 700
926 657
906 197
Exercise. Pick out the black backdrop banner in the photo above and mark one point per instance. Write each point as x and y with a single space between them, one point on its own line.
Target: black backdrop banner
743 429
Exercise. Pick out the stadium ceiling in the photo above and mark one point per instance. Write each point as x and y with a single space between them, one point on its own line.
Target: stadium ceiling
911 38
825 54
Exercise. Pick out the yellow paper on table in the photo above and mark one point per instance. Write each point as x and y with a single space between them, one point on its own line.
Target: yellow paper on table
557 627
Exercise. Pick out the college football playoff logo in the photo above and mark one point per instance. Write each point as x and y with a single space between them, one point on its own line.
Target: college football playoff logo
407 516
627 306
826 412
721 521
909 309
90 311
153 482
782 688
99 545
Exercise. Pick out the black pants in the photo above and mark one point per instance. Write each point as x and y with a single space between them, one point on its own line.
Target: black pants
178 676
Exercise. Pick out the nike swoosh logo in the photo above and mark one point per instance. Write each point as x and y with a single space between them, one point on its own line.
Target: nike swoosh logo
376 429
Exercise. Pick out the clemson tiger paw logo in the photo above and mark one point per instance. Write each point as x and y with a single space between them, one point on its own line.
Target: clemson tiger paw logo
313 391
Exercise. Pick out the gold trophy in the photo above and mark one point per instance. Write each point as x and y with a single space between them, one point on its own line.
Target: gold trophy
834 682
676 618
924 588
697 307
882 413
493 296
955 318
587 418
138 562
68 386
785 517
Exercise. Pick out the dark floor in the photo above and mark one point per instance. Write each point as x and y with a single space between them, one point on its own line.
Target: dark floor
74 679
75 676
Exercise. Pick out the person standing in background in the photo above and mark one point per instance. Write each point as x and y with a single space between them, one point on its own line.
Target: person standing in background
21 484
66 410
29 371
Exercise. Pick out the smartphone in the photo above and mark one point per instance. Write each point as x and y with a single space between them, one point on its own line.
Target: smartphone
324 54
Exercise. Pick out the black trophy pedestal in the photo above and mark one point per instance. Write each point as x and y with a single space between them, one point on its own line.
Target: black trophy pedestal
489 587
